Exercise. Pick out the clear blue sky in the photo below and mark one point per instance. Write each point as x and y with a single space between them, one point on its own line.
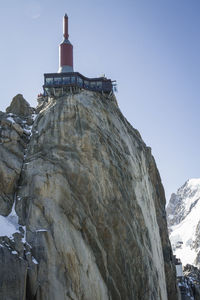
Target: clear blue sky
151 47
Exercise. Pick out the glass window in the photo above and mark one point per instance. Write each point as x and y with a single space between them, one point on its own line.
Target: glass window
57 80
99 85
80 81
73 79
66 80
49 81
86 84
93 84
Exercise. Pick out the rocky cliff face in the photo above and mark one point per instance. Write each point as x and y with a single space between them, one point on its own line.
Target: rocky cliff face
192 275
14 136
85 207
183 214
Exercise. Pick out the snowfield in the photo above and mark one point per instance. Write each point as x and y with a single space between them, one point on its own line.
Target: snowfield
184 233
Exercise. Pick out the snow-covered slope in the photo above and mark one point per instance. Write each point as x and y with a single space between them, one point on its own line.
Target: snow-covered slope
183 214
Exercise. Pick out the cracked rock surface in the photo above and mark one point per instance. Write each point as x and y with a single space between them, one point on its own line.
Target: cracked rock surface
90 206
14 136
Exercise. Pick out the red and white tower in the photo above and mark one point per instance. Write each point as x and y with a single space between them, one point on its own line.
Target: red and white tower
65 50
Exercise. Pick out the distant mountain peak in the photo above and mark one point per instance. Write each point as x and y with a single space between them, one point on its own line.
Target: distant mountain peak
183 215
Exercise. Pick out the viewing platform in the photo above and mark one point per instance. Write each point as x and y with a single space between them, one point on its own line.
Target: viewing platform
58 84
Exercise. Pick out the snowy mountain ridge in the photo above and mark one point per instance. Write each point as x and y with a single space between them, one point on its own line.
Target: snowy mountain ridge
183 215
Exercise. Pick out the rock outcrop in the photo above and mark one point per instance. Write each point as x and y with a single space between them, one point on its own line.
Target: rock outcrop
20 107
14 136
189 283
91 209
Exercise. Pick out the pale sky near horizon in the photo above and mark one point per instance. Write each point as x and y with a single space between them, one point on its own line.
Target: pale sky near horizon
151 47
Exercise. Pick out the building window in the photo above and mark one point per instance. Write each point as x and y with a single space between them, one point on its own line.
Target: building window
80 81
93 84
57 80
49 81
99 85
66 80
73 79
86 84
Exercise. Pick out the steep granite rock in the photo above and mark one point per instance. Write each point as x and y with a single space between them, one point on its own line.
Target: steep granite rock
160 202
189 283
13 275
92 204
19 106
14 136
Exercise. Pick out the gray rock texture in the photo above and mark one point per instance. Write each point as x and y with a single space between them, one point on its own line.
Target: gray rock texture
14 136
192 274
19 106
93 207
13 275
